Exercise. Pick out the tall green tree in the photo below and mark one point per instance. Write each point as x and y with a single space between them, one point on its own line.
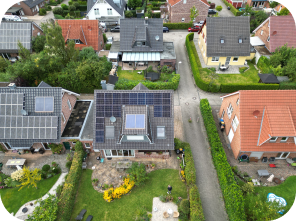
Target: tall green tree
38 43
3 64
273 4
290 69
193 13
133 4
283 12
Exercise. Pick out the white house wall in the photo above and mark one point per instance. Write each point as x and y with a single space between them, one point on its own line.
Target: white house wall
115 17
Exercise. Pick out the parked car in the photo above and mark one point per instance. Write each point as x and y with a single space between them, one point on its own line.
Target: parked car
194 29
103 25
212 12
166 29
116 29
200 23
109 40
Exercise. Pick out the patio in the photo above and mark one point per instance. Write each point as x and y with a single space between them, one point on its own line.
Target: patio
231 70
161 208
126 66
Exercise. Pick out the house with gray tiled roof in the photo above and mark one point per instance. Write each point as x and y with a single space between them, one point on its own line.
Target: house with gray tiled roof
134 123
31 7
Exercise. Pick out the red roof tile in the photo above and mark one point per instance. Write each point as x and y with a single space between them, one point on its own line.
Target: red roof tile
173 2
279 119
282 31
85 30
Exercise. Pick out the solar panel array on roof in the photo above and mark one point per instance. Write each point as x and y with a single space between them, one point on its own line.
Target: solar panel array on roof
11 104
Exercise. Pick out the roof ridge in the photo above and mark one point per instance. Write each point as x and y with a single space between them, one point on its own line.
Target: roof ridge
264 122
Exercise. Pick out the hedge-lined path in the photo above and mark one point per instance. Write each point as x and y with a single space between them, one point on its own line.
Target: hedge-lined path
20 215
194 133
225 12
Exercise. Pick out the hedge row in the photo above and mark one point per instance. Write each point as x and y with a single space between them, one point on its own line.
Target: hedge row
190 172
156 15
124 84
178 25
71 185
233 196
229 88
196 211
233 9
287 86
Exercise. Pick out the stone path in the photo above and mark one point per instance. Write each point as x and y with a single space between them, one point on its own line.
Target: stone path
161 208
20 215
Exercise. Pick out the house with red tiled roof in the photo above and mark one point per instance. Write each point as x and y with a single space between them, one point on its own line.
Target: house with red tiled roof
260 123
179 10
276 31
85 33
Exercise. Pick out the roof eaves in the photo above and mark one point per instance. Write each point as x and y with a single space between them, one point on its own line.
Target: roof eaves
292 120
228 95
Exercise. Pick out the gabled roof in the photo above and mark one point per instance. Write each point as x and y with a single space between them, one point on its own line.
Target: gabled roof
173 2
282 31
43 84
12 32
279 119
85 30
117 7
135 29
140 87
269 78
32 3
230 29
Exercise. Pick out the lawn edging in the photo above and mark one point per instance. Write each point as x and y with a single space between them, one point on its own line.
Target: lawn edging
232 194
213 87
69 191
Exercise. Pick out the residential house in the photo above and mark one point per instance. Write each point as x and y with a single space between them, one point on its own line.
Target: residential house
225 41
141 43
85 33
279 7
15 11
276 31
179 10
258 3
107 11
236 3
31 7
134 123
260 123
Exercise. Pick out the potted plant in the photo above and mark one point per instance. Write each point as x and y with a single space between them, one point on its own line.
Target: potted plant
148 153
95 181
160 152
152 165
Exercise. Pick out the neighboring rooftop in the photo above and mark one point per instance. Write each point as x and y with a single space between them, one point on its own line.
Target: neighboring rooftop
13 9
262 50
268 78
173 2
168 51
87 133
118 5
32 3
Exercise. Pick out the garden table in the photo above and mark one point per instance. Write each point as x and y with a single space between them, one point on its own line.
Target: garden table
15 162
263 173
170 211
123 164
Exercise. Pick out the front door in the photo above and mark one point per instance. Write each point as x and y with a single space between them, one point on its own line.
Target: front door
282 155
227 61
67 145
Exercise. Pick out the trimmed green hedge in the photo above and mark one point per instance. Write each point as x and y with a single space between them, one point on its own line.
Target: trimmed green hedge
287 86
234 11
82 8
124 84
178 25
229 88
233 196
196 211
190 172
71 185
56 16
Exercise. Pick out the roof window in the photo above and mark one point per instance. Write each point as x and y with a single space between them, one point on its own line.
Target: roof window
135 121
240 40
44 104
222 40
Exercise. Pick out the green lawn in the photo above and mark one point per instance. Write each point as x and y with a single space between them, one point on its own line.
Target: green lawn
13 199
126 207
250 76
130 75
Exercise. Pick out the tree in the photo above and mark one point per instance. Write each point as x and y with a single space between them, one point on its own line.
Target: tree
193 13
88 53
290 69
76 4
3 64
58 10
137 173
257 19
128 14
72 8
23 52
276 59
148 13
219 8
38 43
30 178
47 209
284 11
273 4
133 4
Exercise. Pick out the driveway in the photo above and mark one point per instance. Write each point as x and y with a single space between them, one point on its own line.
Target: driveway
188 97
225 12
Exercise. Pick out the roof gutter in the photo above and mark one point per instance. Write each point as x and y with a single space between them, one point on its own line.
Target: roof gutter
228 95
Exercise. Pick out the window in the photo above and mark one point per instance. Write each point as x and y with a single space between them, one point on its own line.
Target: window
161 132
183 19
234 123
229 111
110 132
284 139
135 121
223 112
38 33
184 1
63 116
77 41
109 11
87 145
215 59
262 32
240 40
237 102
74 142
7 146
230 135
69 104
44 104
268 39
19 3
97 11
273 140
268 24
222 41
235 59
129 137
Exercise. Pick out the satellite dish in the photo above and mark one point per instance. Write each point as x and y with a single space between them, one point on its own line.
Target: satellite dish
157 38
23 112
256 113
112 119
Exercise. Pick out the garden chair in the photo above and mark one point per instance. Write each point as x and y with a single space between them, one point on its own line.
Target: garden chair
176 214
81 214
89 218
166 215
271 159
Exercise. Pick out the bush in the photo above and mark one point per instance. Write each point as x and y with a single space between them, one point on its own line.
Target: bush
17 175
42 11
248 188
108 46
72 8
71 184
56 16
56 148
3 65
58 10
219 8
287 86
76 4
185 206
196 211
128 14
64 6
229 88
137 173
45 168
156 15
178 25
48 8
38 43
53 2
233 197
105 38
82 8
150 69
190 172
68 165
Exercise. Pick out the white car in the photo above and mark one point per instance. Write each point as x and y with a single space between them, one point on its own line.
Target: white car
109 40
11 18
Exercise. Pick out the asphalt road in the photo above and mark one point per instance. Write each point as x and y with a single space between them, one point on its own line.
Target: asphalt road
225 12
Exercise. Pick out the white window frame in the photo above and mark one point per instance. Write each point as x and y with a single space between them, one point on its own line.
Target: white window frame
69 104
109 11
183 19
237 102
240 40
223 112
97 11
230 135
214 59
234 58
261 32
273 141
284 141
63 116
88 147
160 137
229 110
222 41
268 38
235 123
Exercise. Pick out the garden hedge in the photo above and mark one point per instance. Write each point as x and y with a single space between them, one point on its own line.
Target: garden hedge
196 211
287 86
178 25
229 88
173 83
156 15
190 172
71 185
234 11
232 194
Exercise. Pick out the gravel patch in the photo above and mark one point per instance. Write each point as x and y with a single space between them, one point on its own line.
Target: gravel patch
161 208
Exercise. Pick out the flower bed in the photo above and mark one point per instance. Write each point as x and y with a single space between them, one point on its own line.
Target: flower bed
116 193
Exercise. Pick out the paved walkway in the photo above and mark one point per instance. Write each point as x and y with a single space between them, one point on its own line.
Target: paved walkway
20 215
225 12
194 133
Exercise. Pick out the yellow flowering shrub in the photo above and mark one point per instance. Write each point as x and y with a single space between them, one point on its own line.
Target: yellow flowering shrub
112 193
17 175
183 174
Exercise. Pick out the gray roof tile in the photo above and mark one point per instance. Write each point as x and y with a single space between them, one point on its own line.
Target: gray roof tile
32 3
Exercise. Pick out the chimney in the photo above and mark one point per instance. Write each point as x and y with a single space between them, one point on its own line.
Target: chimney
103 84
12 86
146 20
